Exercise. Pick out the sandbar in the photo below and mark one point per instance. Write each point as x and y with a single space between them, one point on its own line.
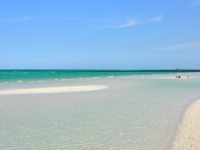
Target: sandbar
188 134
53 89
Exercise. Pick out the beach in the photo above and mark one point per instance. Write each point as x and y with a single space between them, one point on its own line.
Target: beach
188 135
112 112
99 75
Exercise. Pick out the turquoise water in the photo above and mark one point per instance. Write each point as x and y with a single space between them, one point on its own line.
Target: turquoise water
8 76
137 112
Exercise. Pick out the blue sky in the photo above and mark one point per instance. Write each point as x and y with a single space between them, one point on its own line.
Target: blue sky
106 34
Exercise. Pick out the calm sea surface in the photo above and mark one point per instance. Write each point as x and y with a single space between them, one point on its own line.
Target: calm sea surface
140 109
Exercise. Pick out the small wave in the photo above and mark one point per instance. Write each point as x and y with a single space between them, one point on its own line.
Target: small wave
89 78
64 79
96 78
19 81
80 78
14 82
110 77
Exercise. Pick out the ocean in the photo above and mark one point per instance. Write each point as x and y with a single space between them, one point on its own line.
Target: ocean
140 109
13 76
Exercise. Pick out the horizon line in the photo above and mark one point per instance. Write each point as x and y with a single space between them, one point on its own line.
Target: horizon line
102 69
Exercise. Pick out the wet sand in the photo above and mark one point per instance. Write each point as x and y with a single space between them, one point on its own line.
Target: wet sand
188 135
54 89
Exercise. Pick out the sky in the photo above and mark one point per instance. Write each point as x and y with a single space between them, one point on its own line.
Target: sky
103 34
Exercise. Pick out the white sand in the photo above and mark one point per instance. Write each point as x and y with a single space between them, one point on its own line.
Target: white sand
54 89
188 135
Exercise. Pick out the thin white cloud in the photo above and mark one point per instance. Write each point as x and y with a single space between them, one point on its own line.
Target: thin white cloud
128 24
18 19
187 46
92 19
73 19
26 18
156 19
132 22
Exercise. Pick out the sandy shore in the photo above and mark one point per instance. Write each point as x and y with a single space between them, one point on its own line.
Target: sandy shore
54 89
188 135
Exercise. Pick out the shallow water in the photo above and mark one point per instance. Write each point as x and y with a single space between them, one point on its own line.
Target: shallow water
136 112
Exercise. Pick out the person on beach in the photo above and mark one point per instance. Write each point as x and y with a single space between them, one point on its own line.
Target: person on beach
188 76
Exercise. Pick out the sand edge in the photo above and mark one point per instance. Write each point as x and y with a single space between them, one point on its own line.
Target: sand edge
54 89
188 134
